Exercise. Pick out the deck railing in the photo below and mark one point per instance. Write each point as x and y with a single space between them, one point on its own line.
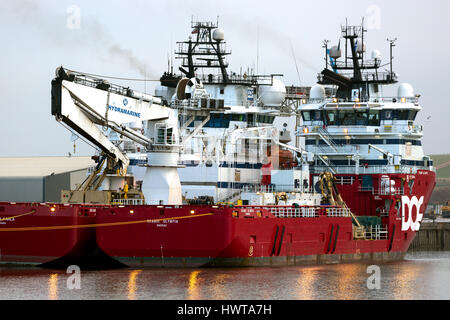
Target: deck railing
128 202
301 212
377 232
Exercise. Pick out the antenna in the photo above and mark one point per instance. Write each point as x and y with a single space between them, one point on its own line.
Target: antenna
171 53
295 61
391 44
257 48
325 45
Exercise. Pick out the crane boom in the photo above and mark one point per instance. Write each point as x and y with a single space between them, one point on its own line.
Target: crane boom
90 106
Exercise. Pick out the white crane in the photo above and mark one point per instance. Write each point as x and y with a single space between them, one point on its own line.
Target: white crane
91 106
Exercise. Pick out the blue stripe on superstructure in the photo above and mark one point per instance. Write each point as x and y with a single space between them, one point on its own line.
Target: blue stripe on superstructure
310 142
225 164
136 162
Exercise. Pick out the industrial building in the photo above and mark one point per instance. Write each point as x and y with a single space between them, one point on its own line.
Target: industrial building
41 179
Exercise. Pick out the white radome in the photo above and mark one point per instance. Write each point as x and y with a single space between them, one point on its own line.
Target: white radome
405 90
335 52
317 92
218 35
376 54
273 95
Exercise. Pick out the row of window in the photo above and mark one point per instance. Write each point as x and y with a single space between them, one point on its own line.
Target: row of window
376 162
310 142
221 120
357 117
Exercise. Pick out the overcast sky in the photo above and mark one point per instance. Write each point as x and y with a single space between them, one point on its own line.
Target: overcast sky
134 39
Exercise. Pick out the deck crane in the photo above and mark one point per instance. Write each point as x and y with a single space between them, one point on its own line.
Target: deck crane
92 107
331 194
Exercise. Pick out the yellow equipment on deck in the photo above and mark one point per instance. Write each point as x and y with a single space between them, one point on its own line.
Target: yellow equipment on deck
331 194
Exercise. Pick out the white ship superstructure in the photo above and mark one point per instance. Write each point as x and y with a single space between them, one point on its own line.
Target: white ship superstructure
359 130
223 150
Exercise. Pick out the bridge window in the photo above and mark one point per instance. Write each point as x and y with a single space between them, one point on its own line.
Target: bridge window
374 118
317 115
238 117
401 114
306 115
346 117
412 114
361 118
331 118
265 119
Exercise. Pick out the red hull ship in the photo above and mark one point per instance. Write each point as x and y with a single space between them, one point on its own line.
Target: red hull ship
39 233
189 236
366 207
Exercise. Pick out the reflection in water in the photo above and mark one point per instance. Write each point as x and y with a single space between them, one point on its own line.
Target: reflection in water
348 276
218 287
53 286
305 283
193 290
404 283
419 277
132 284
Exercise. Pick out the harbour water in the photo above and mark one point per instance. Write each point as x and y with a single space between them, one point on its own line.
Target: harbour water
422 275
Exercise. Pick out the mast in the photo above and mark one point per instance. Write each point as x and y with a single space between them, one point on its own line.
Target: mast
206 52
354 73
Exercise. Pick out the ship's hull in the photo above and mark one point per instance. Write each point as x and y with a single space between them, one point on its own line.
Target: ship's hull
368 199
33 233
192 236
215 237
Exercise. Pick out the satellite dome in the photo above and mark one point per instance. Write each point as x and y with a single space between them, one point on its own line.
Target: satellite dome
376 54
273 95
405 90
218 35
317 92
335 52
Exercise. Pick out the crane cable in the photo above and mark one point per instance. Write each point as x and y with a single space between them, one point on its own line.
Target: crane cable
96 225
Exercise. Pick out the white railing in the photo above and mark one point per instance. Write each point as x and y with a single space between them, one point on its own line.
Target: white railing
338 212
377 232
276 188
128 202
371 169
291 212
388 191
345 180
383 191
299 212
